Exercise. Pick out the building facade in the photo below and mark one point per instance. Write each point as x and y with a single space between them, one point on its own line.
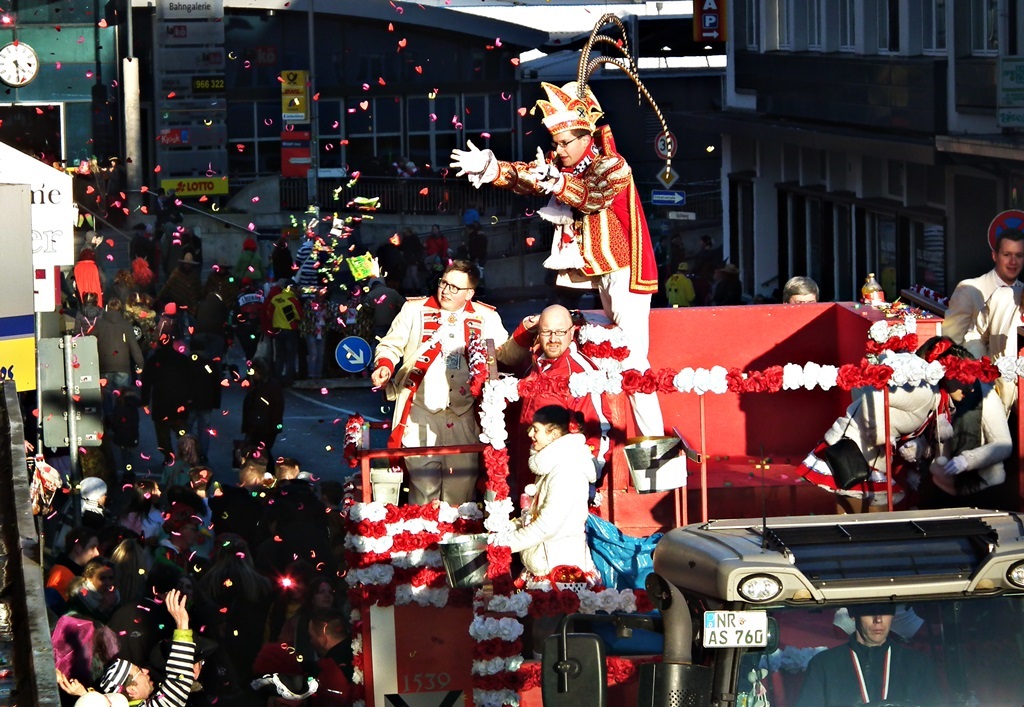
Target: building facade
868 136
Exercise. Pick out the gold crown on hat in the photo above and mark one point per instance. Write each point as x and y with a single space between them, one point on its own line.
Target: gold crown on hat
565 110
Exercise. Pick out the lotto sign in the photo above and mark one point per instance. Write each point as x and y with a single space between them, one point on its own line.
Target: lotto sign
190 186
709 21
665 145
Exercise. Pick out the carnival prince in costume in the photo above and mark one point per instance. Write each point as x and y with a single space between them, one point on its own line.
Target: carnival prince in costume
601 237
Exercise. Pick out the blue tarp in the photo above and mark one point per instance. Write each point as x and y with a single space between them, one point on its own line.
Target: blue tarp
624 563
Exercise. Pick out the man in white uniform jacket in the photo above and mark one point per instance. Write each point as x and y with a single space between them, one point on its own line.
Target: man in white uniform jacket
984 312
431 386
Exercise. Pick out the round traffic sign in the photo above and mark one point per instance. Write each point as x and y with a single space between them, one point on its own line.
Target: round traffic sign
665 145
353 354
1012 219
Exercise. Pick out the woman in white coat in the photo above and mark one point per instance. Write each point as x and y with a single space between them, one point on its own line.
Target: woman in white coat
552 532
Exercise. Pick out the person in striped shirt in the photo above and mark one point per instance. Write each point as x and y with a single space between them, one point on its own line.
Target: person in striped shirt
133 681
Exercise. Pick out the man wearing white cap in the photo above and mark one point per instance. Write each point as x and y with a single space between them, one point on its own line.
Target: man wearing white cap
601 238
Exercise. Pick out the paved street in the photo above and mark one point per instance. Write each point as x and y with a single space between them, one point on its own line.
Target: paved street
315 415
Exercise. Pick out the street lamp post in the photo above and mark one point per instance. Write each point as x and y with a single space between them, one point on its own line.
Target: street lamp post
314 128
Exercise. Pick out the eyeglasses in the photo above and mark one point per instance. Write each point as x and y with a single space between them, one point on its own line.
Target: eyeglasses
554 333
445 286
564 143
130 682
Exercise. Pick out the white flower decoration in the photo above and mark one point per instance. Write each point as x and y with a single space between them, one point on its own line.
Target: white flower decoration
828 377
683 380
792 376
718 383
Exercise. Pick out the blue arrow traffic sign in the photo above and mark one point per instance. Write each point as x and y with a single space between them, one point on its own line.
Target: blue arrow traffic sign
353 354
660 197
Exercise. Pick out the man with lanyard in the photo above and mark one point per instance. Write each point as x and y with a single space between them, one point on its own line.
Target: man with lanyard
423 360
984 312
870 668
601 238
554 358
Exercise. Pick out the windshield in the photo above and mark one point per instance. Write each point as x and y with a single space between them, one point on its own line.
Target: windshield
950 652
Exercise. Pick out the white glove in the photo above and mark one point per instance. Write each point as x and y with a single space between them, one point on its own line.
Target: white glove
956 465
832 436
911 450
945 428
479 165
548 176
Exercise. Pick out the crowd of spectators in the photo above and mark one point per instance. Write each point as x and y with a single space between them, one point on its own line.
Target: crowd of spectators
252 567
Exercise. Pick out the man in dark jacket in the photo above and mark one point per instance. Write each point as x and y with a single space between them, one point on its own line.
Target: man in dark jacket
165 391
262 410
205 394
211 321
118 350
871 668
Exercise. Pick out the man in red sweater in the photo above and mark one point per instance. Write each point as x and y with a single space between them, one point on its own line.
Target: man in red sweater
548 341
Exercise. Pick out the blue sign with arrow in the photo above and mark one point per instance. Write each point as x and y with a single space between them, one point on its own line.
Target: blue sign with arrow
660 197
353 354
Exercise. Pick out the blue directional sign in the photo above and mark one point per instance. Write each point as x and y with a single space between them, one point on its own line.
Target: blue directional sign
660 197
353 354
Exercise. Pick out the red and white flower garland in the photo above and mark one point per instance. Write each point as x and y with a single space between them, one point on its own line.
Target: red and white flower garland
353 438
885 336
476 356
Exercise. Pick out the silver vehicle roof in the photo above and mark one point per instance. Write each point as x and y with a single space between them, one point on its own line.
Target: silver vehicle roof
843 558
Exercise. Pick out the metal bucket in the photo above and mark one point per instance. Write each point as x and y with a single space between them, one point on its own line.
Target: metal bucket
465 560
655 463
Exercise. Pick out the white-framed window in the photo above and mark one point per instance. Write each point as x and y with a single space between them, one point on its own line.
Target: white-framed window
814 37
888 23
984 27
933 18
752 24
785 35
847 25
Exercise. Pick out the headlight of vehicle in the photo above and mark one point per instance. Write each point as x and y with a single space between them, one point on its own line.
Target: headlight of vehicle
760 587
1015 574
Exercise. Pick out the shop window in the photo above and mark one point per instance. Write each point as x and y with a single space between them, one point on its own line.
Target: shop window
387 114
784 34
752 24
499 111
887 246
446 108
984 27
418 110
814 37
329 118
242 159
474 115
846 284
929 255
888 26
847 25
934 29
241 121
359 116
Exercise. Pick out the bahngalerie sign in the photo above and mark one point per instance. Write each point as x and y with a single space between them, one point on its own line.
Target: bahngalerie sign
190 9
